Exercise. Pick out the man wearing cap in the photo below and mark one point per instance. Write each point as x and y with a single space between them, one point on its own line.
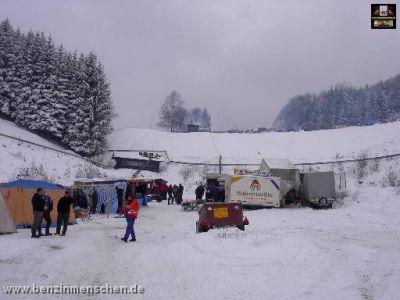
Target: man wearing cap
63 209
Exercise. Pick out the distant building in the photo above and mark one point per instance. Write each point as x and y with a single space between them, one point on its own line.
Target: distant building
137 161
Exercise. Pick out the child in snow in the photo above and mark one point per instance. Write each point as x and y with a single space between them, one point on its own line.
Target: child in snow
130 211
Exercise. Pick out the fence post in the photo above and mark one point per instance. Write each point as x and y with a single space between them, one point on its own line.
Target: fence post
220 164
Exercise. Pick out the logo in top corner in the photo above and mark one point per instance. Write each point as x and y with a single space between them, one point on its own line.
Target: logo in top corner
255 186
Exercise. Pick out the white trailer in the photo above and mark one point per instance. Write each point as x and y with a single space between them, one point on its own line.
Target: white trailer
250 190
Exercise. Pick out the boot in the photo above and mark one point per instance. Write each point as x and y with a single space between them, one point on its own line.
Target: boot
34 236
133 239
48 232
124 239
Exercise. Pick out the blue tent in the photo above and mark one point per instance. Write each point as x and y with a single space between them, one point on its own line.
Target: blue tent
32 184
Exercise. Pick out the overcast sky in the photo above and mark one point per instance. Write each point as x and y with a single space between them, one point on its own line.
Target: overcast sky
242 59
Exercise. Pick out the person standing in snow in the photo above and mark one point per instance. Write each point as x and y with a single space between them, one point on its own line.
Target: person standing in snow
38 210
175 192
179 194
63 209
170 194
48 208
120 196
130 211
95 198
199 192
214 192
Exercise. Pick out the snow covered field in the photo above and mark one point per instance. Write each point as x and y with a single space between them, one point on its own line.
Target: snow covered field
350 252
299 147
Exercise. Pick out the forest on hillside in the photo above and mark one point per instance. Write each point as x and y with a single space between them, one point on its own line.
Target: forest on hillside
61 95
342 105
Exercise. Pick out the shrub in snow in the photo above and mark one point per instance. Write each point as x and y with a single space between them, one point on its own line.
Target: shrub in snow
89 171
187 172
392 179
361 170
33 171
374 166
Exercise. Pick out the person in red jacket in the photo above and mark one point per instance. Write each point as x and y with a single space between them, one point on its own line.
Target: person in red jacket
130 211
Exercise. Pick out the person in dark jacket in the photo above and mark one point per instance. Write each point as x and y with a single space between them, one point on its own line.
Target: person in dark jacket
214 192
170 194
179 194
48 208
175 192
120 197
95 198
38 210
221 196
199 192
63 209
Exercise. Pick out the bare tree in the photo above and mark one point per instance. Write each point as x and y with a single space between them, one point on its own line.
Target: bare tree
173 112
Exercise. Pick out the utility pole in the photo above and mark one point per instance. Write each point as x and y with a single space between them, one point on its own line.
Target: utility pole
220 164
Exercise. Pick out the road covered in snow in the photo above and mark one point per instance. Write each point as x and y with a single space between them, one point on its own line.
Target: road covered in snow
349 252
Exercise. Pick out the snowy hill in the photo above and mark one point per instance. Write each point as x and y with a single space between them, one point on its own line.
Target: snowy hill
26 160
311 146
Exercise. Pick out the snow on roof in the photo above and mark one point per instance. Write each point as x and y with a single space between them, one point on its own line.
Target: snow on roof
134 155
278 163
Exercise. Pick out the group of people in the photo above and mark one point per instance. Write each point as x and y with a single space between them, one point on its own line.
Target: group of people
42 206
214 192
175 193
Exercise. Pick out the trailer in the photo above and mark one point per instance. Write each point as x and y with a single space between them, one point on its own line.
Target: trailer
318 189
214 215
249 190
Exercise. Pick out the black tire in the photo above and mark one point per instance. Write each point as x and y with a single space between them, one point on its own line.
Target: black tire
323 202
241 227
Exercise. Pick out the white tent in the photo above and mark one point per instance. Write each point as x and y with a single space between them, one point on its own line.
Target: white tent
6 223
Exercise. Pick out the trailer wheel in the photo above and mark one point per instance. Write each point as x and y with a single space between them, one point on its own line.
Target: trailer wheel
241 227
323 202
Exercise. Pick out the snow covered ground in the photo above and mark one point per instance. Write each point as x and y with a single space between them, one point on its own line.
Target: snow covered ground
309 146
22 159
350 252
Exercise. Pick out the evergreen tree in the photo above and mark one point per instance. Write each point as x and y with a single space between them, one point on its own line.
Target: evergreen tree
53 92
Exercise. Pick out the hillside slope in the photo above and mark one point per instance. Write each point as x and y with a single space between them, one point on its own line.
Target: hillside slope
250 148
26 160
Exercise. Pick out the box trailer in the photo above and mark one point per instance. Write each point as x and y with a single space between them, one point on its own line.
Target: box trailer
318 188
250 190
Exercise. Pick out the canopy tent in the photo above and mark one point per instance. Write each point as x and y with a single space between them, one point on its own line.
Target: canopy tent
6 222
106 191
18 196
32 184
